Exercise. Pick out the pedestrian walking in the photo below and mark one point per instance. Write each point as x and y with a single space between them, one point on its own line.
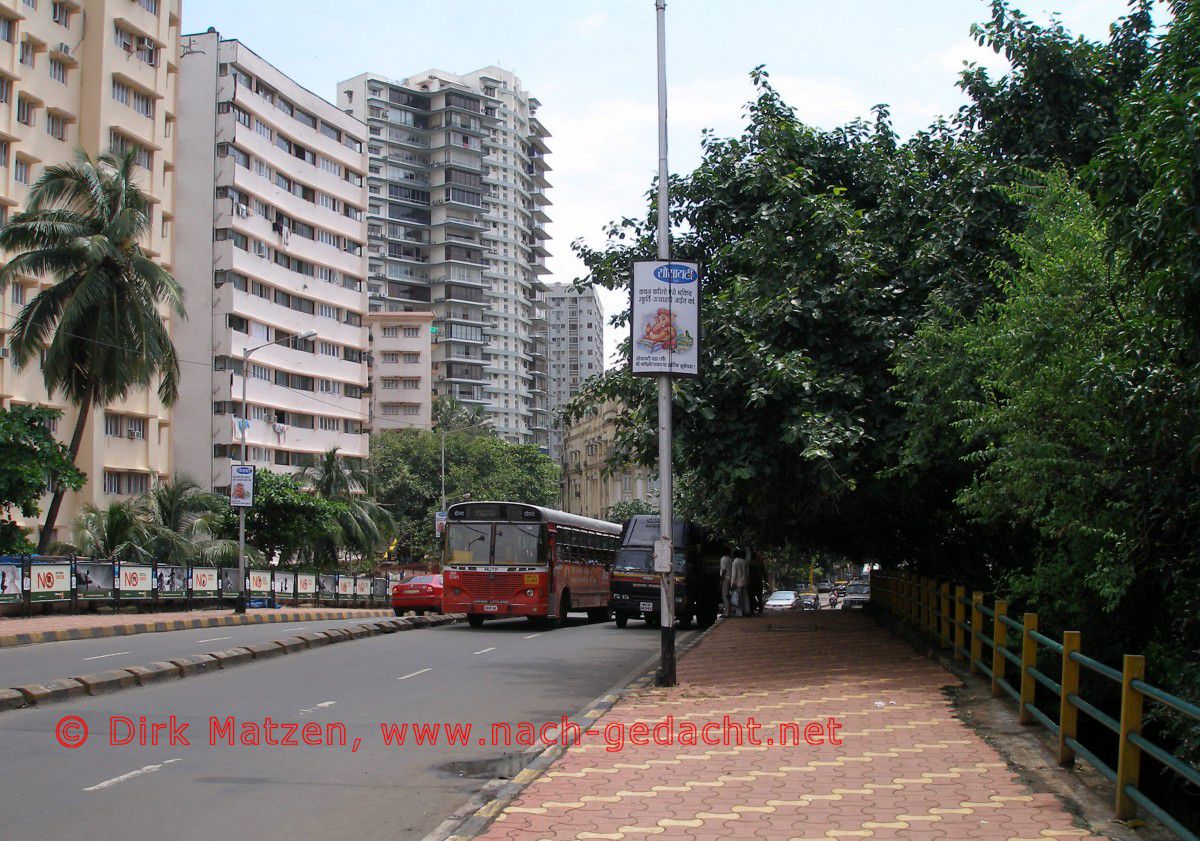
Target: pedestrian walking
739 579
726 564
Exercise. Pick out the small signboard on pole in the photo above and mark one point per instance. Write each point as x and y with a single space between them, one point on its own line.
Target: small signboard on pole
241 486
439 523
665 318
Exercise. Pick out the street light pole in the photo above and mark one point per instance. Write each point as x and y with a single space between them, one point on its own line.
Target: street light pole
666 676
244 425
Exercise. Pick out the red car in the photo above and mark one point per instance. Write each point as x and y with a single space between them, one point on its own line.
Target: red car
420 593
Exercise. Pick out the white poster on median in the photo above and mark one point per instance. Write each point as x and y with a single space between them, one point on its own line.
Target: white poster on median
204 581
665 318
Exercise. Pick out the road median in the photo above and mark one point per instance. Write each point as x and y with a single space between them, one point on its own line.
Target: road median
115 680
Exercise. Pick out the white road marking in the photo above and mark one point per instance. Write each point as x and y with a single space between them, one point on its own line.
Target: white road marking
102 656
326 704
214 639
145 769
531 636
486 650
413 674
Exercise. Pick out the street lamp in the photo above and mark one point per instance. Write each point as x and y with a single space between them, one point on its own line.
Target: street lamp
240 606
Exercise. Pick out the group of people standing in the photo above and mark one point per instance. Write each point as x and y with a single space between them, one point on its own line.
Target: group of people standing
741 586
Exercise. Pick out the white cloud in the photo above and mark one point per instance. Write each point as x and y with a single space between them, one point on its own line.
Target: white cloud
590 23
951 58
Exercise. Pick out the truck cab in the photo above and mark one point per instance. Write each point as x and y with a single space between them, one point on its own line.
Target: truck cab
636 586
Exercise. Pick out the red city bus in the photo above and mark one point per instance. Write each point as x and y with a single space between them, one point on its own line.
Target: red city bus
505 559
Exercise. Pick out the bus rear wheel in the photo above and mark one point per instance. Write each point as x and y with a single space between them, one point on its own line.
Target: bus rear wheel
475 620
622 620
564 607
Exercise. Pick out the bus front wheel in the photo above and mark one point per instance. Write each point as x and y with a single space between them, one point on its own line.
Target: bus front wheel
475 620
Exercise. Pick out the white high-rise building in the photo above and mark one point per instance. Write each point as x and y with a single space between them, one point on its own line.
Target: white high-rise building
456 218
271 246
576 349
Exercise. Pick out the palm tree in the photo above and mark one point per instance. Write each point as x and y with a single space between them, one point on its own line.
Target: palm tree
181 520
451 415
117 532
99 323
365 526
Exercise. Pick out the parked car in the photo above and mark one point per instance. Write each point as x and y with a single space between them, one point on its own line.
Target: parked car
420 593
781 600
839 587
858 595
825 586
810 601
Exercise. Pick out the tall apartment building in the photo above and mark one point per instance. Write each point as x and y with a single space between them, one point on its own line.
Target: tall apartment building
456 220
99 75
271 246
576 350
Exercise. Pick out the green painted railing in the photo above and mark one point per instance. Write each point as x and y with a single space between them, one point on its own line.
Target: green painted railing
945 615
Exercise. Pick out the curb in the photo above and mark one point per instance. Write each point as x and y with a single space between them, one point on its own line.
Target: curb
115 680
476 815
62 634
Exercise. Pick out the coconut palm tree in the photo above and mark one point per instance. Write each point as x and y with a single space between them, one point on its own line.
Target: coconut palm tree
100 323
181 519
117 532
365 526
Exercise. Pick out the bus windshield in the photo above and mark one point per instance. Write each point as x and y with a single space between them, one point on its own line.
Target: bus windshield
516 544
468 544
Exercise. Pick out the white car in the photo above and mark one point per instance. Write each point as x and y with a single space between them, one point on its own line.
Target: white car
781 600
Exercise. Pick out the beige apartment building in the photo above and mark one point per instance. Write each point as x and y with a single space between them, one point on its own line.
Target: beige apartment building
100 75
590 485
400 370
272 253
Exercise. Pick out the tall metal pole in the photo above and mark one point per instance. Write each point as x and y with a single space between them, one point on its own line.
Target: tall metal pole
666 676
442 429
240 606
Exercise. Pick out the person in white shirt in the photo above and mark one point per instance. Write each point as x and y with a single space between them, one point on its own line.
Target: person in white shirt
739 578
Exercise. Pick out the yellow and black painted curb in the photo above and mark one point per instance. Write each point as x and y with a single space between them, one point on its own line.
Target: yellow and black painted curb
473 819
9 640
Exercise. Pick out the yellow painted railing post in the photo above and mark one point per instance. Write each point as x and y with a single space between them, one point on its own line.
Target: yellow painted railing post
1068 716
1129 755
945 611
976 626
960 619
1028 661
999 640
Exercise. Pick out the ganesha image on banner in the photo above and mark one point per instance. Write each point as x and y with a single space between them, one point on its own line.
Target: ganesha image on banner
659 332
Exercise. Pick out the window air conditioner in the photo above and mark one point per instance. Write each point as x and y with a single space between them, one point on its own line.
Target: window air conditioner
65 49
260 249
243 211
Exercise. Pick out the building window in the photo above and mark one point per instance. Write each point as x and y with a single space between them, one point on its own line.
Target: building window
390 357
27 54
5 90
390 383
25 111
61 14
58 71
120 92
18 294
137 429
411 358
136 483
56 126
4 153
21 171
411 332
112 482
143 104
410 383
112 425
150 6
391 332
8 30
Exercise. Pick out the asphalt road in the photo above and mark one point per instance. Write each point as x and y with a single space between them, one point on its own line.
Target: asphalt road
49 660
503 672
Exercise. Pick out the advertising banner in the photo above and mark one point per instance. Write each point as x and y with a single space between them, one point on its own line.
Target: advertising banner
204 582
362 586
260 581
345 586
327 587
241 486
665 318
49 582
172 582
229 583
306 585
379 587
94 580
10 582
285 583
135 582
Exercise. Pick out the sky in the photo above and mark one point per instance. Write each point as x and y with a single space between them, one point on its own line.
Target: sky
591 63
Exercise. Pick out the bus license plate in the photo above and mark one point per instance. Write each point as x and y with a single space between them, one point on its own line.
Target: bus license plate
646 607
491 607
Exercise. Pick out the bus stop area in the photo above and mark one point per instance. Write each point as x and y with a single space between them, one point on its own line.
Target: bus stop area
857 738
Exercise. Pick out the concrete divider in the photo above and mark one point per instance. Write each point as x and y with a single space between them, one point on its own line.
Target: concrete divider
231 657
195 664
154 672
264 650
54 690
110 681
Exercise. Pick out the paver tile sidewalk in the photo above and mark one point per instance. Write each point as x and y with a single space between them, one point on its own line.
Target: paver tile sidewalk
907 768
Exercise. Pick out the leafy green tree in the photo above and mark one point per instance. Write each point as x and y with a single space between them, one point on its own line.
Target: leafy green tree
31 461
406 465
621 511
117 532
287 522
97 331
181 521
